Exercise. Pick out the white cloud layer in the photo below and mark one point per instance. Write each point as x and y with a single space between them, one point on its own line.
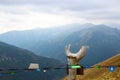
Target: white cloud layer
28 14
25 17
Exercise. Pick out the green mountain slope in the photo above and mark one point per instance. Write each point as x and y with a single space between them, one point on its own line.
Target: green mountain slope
14 57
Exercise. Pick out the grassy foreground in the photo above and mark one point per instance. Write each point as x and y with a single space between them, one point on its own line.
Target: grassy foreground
102 73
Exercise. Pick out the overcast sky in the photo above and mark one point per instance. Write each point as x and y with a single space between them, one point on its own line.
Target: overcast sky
28 14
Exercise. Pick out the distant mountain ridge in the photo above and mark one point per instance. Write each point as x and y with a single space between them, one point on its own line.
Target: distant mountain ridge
102 40
13 57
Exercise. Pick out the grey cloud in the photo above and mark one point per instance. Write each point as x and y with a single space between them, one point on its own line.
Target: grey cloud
104 14
73 5
13 9
88 9
28 1
18 12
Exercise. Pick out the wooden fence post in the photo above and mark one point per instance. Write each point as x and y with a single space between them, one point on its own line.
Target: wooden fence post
73 59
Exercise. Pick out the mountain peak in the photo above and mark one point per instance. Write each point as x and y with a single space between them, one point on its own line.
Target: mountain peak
103 29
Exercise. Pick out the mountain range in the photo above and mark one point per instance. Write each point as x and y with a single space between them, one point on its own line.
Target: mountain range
103 41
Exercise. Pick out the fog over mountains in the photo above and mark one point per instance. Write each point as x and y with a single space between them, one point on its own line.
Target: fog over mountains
103 41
